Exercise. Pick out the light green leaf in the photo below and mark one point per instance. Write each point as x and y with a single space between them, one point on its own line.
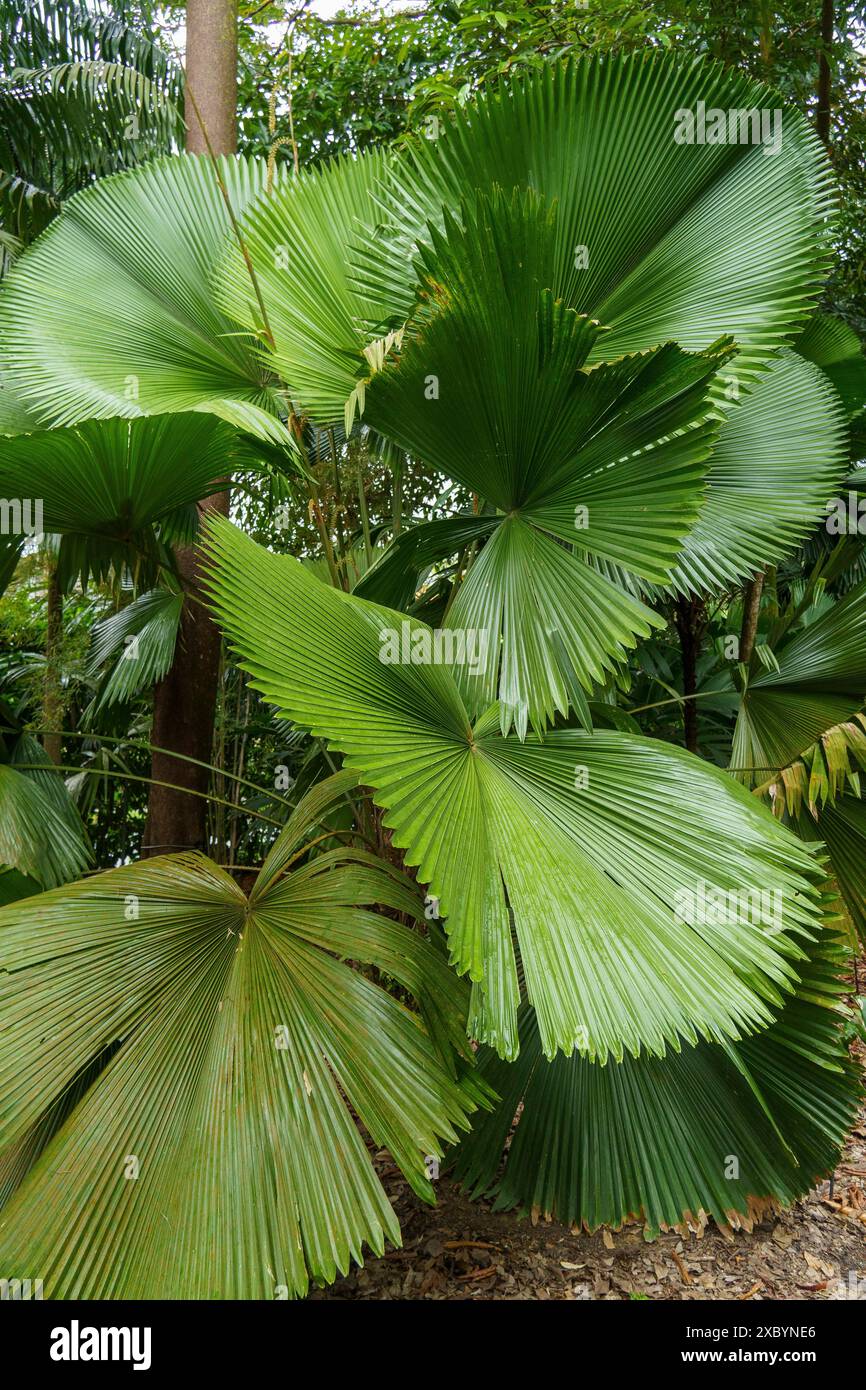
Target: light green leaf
40 832
111 311
835 348
611 461
298 238
780 455
593 876
842 828
658 239
105 485
821 681
144 633
215 1155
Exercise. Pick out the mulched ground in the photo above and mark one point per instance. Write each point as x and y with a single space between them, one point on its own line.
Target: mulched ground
461 1249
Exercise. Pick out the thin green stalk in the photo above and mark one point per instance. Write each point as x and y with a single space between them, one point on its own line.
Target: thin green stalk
181 757
676 700
316 513
362 507
139 777
397 507
338 511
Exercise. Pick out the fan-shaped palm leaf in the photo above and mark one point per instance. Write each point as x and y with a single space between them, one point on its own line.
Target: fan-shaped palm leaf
729 1133
780 454
299 238
215 1154
587 840
41 833
105 485
612 460
144 633
658 237
835 348
157 342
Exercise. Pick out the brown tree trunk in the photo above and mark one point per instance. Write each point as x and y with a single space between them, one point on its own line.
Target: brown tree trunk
751 613
690 620
825 86
185 700
52 699
211 76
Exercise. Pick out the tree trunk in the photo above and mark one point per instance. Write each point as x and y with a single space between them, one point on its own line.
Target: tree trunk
211 76
690 620
185 700
751 613
822 114
52 698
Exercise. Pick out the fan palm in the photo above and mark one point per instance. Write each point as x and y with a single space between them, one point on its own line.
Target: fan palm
216 1145
647 387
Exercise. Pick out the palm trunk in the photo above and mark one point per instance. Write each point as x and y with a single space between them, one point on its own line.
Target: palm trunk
751 613
52 699
185 700
825 86
690 620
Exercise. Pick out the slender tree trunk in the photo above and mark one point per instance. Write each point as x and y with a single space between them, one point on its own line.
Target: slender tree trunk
767 33
825 86
690 620
211 76
751 613
52 699
185 700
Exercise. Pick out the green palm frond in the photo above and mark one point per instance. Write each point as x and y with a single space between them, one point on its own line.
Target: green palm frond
393 579
841 826
587 842
61 121
111 488
820 795
41 833
682 241
824 771
15 417
611 461
836 349
728 1133
156 342
82 94
216 1152
45 33
142 636
781 453
299 238
818 681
